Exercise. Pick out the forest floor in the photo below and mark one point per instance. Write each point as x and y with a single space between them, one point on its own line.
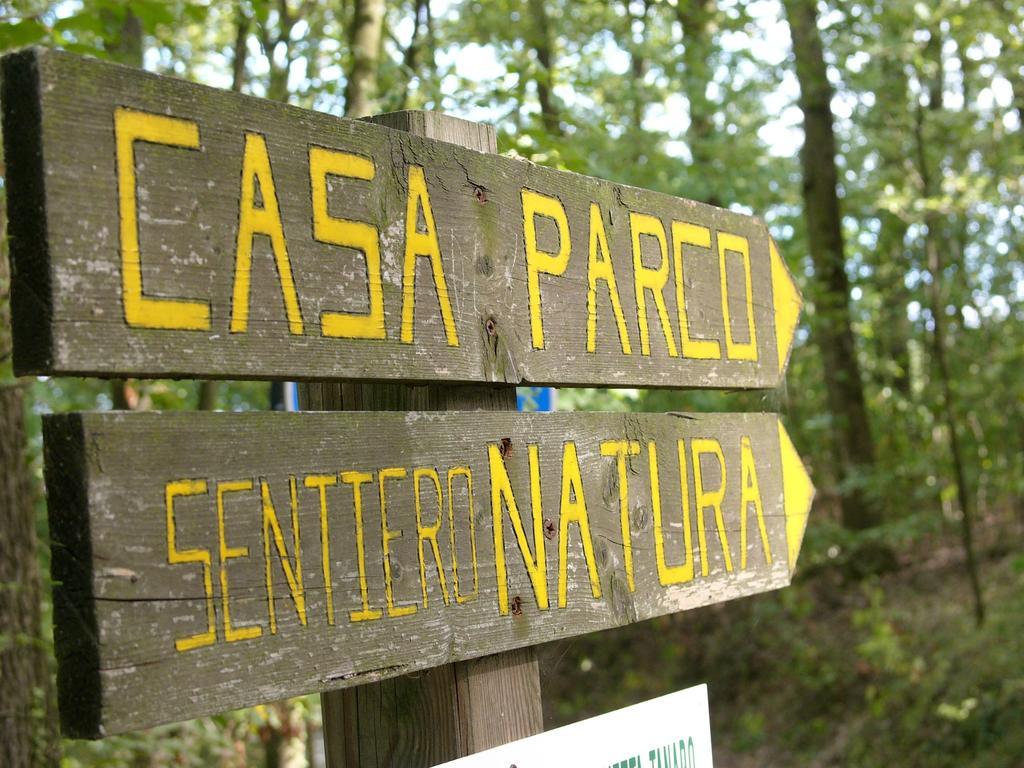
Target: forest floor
889 671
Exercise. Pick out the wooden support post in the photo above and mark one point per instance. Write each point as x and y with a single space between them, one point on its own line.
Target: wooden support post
458 709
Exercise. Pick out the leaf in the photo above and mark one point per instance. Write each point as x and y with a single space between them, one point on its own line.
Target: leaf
154 13
84 49
196 13
22 33
85 21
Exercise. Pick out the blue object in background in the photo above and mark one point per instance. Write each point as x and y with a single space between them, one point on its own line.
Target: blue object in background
284 396
541 399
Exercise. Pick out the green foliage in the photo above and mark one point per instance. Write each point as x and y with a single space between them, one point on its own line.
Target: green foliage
233 739
930 673
21 33
695 98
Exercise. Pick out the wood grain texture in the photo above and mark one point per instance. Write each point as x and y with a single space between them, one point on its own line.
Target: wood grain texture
420 720
69 251
122 606
499 699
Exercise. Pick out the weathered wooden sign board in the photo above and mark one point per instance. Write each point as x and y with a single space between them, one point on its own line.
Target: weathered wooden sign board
163 228
211 561
672 731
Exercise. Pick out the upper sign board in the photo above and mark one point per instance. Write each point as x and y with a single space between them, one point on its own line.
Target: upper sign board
207 561
163 228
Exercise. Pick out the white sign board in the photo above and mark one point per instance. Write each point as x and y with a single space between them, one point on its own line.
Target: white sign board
672 731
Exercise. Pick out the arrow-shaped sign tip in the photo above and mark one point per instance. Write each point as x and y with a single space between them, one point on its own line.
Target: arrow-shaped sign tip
787 304
798 493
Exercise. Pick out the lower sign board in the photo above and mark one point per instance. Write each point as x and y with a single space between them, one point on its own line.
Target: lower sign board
208 561
672 731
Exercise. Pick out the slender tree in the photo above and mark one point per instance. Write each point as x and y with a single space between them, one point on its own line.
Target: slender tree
365 43
124 44
418 59
279 66
209 391
852 442
124 41
937 259
28 731
542 40
889 126
636 22
696 19
240 50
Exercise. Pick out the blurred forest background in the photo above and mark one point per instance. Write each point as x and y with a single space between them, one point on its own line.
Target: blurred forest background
883 142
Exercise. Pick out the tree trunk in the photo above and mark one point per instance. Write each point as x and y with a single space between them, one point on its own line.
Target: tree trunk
936 260
893 330
28 727
364 41
411 59
853 444
277 74
209 391
312 40
411 54
125 48
696 18
891 123
28 734
542 42
638 70
240 52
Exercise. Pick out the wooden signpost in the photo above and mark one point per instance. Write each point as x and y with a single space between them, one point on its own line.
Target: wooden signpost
204 562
